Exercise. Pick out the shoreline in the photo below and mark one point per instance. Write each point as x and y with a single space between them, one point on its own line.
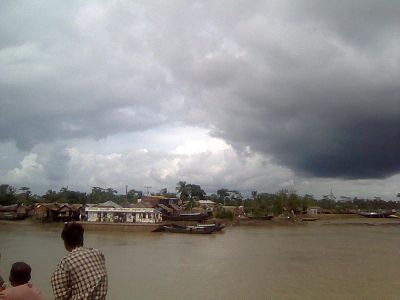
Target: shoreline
331 219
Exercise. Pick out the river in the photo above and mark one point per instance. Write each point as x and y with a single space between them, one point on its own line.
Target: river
319 260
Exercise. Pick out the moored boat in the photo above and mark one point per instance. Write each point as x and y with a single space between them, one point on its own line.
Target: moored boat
218 226
309 219
375 214
186 217
190 229
260 217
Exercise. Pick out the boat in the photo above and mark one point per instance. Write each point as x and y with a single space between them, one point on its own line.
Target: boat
186 217
376 214
308 219
218 226
394 216
190 229
260 217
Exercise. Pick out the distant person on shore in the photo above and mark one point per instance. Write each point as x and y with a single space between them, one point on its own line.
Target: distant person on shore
20 275
2 283
82 273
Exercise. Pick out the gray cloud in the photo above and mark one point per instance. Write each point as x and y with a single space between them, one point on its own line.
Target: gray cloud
87 76
312 84
295 83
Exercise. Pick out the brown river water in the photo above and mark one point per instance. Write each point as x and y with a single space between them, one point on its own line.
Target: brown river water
343 259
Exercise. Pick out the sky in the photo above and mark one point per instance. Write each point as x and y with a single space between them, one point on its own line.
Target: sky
244 95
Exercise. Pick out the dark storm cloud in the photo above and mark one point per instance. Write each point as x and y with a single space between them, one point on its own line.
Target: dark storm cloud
314 84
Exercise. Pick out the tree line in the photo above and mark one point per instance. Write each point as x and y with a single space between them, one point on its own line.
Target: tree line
10 195
189 194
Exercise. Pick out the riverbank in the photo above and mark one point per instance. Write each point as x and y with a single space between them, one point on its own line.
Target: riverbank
323 219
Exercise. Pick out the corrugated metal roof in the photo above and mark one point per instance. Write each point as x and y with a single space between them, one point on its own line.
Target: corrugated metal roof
174 206
110 203
168 209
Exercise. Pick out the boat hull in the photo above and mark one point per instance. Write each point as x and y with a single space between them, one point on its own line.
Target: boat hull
218 227
260 217
385 214
186 217
190 229
309 219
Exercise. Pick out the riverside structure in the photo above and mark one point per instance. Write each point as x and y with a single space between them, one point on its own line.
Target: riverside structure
144 215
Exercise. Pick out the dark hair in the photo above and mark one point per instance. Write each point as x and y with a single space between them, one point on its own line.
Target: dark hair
20 273
72 234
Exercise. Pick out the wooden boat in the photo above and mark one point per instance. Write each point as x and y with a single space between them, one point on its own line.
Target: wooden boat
186 217
308 219
394 216
190 229
260 217
375 214
218 227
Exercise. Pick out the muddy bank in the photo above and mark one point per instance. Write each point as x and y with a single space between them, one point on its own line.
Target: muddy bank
323 219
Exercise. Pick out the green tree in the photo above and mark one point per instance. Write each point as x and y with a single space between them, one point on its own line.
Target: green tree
222 195
196 192
7 195
111 192
183 190
96 195
50 196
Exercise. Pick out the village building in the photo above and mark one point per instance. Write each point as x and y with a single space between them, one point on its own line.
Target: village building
314 210
55 212
108 203
68 212
207 204
156 200
123 215
13 212
46 212
148 210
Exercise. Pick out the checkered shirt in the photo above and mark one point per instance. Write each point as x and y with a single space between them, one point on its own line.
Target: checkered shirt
81 275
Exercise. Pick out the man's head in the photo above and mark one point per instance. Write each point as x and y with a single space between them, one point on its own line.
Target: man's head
20 273
72 235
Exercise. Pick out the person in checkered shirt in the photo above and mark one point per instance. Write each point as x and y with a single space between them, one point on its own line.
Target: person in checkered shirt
82 273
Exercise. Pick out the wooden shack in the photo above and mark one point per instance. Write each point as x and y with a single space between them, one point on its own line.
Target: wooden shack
13 212
8 212
46 212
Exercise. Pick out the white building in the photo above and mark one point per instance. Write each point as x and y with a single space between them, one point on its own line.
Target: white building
123 215
208 204
314 210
